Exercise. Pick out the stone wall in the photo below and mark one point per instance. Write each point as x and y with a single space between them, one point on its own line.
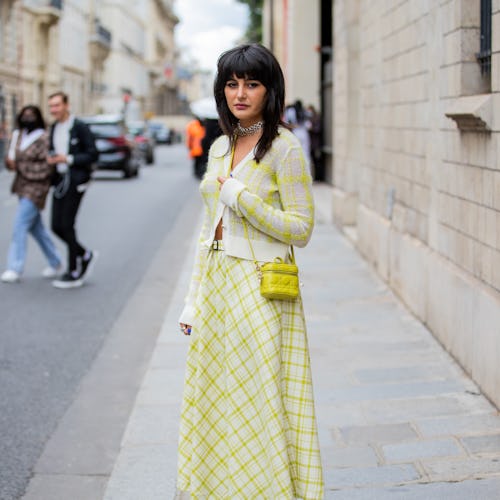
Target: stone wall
44 48
295 40
416 166
9 72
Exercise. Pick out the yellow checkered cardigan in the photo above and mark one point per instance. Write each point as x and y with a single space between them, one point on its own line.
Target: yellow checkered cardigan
274 198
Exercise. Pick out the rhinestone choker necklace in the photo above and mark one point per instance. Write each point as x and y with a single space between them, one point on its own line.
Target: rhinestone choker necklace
248 130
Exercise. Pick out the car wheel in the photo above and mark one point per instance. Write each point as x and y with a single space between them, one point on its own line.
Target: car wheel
129 170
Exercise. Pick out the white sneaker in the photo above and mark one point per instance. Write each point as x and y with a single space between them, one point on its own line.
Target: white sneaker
10 276
51 272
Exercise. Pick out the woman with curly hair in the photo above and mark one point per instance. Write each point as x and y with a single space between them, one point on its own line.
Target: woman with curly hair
27 156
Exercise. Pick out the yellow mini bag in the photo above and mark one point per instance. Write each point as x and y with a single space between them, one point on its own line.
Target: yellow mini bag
278 280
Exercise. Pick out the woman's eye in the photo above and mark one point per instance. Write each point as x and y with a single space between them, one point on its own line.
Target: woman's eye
231 84
253 85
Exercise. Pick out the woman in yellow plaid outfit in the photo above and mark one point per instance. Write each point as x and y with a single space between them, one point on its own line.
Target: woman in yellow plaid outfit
248 428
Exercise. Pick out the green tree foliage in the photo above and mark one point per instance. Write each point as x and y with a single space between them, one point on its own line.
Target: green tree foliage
254 29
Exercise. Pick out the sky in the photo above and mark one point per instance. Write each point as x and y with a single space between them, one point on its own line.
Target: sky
207 28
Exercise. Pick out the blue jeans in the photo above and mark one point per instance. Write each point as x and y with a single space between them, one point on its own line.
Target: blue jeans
29 219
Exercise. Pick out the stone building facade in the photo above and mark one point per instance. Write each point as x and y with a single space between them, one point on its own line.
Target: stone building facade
161 57
300 35
291 31
97 51
10 26
141 65
52 45
415 164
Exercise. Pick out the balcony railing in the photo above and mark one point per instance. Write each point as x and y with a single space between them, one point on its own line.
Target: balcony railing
101 34
48 11
54 4
98 88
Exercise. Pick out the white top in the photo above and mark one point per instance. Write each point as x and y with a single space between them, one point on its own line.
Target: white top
61 139
28 138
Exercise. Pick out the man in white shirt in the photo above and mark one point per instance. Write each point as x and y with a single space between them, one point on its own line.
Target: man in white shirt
73 151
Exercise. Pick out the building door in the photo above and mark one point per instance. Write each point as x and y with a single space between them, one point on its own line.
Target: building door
325 173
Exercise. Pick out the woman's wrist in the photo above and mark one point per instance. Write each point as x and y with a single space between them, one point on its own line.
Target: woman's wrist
230 192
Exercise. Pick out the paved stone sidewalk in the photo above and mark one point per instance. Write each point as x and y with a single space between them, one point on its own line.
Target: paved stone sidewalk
398 419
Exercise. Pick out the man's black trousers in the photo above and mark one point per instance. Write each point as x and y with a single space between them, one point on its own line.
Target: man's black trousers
64 210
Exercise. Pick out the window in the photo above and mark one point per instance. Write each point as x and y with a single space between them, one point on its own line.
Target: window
484 55
56 4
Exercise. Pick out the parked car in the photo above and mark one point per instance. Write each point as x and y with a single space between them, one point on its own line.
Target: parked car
161 133
116 146
144 139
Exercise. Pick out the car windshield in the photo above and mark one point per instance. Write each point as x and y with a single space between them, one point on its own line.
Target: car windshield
105 129
158 127
136 130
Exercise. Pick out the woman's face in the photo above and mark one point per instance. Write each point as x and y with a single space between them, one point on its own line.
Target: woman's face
27 120
28 115
245 99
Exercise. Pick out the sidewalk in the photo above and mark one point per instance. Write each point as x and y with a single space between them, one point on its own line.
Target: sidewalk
397 417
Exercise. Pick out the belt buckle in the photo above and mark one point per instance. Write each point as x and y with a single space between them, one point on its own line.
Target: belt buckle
216 245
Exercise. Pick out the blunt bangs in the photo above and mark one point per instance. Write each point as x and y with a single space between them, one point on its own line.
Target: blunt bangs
244 64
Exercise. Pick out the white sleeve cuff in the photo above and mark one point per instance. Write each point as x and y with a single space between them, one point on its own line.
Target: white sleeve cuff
230 191
187 315
70 159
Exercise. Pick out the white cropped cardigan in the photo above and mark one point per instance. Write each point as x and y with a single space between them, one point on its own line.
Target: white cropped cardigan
273 197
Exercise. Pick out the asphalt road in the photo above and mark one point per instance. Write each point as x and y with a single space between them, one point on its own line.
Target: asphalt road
49 338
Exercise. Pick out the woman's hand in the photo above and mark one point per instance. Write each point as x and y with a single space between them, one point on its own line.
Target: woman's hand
186 329
221 181
10 164
54 159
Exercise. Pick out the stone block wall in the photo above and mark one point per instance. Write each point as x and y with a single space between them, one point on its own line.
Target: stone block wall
346 112
9 13
426 189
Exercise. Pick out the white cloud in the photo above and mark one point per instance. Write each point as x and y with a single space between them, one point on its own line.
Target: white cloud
208 27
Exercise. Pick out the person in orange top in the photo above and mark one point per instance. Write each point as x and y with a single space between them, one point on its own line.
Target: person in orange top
195 132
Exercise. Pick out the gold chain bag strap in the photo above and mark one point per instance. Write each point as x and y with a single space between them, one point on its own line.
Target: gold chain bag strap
278 280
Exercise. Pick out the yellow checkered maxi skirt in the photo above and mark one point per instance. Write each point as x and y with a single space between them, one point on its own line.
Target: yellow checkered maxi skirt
248 429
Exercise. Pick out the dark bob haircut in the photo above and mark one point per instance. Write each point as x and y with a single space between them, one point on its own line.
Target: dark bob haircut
253 62
39 121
